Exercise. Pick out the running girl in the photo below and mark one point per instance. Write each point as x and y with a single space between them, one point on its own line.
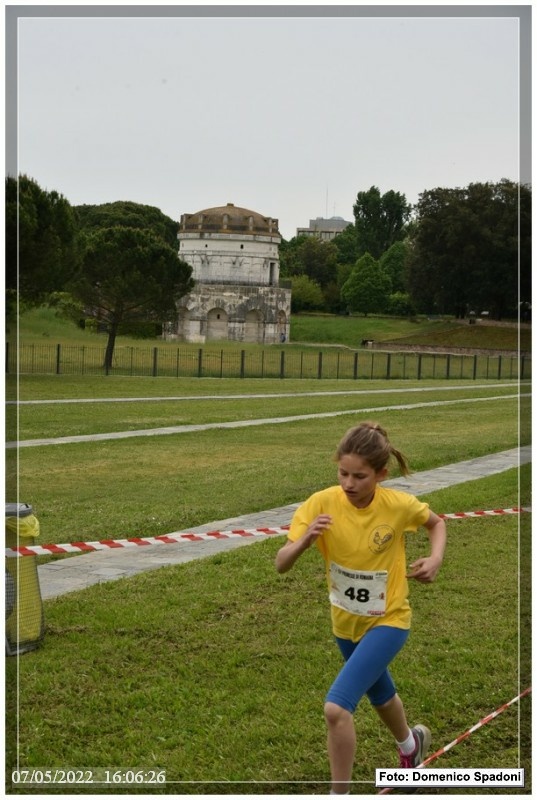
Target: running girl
359 528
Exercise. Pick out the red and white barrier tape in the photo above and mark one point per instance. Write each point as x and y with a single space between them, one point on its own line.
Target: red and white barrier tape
464 514
467 733
175 538
107 544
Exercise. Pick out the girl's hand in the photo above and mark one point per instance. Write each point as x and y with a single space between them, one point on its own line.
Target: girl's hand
425 570
288 554
318 527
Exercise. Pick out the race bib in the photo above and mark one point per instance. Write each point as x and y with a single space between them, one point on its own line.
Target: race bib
357 591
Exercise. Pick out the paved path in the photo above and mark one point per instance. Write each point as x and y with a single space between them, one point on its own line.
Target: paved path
79 572
179 429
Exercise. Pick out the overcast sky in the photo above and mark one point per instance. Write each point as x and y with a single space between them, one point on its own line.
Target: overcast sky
288 117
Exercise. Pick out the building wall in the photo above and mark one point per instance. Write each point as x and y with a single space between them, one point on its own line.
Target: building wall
324 229
239 313
221 258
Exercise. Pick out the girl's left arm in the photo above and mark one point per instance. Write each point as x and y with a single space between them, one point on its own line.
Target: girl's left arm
426 569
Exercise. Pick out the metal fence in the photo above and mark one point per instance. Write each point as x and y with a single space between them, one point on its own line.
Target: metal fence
169 361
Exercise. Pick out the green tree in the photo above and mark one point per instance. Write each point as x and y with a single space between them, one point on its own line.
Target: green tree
524 242
344 272
367 289
130 275
308 255
393 262
434 255
127 214
503 268
380 220
41 240
466 248
332 301
347 245
306 294
289 264
400 305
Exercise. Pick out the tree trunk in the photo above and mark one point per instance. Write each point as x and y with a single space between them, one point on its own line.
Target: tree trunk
109 354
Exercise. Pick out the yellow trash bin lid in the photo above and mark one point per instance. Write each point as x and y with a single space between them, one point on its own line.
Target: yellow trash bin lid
20 523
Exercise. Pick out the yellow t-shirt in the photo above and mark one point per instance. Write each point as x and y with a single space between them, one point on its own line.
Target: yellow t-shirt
369 540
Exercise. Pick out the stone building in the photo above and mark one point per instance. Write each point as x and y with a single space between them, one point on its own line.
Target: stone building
235 264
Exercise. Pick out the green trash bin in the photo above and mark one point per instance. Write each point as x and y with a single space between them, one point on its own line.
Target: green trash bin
25 619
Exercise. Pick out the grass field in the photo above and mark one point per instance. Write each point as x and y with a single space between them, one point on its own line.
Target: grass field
41 325
420 331
322 347
216 670
115 485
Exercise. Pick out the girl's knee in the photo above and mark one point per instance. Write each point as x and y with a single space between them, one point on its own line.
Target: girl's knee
336 715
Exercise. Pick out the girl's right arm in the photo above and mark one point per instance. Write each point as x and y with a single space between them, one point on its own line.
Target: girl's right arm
291 551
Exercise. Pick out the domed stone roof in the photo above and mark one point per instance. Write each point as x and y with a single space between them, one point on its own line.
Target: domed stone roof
229 219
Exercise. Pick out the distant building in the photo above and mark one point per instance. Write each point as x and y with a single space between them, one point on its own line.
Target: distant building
324 229
235 264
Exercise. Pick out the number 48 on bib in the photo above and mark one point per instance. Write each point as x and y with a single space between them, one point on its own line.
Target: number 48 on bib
358 592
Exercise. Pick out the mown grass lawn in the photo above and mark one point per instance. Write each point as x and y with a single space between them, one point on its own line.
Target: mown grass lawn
37 421
216 670
151 485
419 331
41 325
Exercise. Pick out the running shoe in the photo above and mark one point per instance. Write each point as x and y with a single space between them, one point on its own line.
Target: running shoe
422 737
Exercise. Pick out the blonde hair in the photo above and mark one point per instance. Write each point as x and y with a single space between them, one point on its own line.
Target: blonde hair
370 441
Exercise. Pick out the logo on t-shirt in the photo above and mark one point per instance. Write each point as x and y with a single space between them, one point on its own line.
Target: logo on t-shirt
381 538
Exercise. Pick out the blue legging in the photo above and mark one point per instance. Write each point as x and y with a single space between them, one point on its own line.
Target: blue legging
366 668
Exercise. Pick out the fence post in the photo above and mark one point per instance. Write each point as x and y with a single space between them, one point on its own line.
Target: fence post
200 362
521 368
355 366
243 353
155 358
320 366
475 367
58 358
388 366
448 365
419 367
282 364
499 367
